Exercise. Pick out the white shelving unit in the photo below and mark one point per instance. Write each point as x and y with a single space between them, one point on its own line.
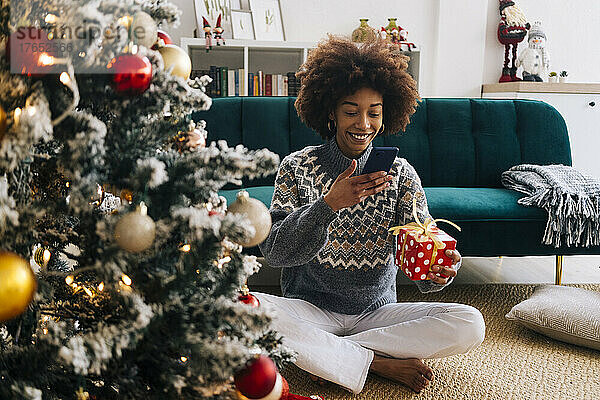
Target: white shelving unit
271 57
252 55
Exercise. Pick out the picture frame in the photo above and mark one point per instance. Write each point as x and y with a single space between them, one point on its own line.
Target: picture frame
242 24
268 24
210 9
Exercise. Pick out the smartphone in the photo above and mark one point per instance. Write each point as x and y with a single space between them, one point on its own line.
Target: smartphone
380 159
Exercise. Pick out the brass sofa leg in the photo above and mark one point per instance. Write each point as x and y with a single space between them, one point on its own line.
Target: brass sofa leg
558 276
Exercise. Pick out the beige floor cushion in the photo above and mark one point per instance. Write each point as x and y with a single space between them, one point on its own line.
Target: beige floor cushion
564 313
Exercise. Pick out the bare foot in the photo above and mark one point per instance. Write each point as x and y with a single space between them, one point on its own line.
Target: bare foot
317 379
410 372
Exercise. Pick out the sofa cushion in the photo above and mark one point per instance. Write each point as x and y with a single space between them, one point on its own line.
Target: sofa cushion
455 204
491 220
479 204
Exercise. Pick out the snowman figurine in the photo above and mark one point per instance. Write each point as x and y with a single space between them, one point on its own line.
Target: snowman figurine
534 59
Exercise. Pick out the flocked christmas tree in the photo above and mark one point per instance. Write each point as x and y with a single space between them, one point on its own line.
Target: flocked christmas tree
108 192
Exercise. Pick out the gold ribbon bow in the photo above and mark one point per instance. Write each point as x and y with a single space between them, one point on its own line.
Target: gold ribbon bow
423 232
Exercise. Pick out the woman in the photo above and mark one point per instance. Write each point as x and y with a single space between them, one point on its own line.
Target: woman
330 231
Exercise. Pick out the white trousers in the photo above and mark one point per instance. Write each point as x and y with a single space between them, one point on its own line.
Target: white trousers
341 347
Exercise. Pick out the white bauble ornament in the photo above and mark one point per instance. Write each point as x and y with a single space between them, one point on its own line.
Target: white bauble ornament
256 212
143 29
135 231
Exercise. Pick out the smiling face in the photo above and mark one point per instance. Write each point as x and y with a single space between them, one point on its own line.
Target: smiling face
358 118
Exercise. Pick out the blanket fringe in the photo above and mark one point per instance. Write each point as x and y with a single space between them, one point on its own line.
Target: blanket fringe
573 217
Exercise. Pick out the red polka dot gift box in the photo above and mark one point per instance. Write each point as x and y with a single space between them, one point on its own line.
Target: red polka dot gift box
419 245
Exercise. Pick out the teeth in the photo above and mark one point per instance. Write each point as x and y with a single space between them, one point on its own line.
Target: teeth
359 137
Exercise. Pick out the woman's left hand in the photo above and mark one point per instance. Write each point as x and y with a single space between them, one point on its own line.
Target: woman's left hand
450 272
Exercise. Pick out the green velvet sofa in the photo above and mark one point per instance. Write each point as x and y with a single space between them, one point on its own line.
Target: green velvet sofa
459 147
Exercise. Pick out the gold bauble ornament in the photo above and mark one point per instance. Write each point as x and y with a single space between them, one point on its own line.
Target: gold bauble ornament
135 231
256 212
143 29
2 122
174 57
17 285
41 256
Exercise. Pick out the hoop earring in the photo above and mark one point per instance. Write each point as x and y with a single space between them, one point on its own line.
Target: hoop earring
329 126
382 129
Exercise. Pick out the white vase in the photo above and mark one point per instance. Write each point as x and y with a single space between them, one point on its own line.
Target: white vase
552 79
562 79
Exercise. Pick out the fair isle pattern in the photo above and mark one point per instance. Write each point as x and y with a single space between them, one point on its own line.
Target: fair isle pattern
300 180
358 236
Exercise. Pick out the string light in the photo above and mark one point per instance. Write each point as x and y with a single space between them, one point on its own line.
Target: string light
125 21
88 291
67 184
51 19
45 60
101 286
69 279
185 248
46 256
17 115
65 78
183 359
126 280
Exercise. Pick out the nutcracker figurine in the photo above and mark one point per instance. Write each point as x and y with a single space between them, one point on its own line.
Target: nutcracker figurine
511 31
218 31
207 34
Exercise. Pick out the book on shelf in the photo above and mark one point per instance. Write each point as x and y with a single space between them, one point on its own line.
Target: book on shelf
268 85
228 82
224 81
250 84
231 83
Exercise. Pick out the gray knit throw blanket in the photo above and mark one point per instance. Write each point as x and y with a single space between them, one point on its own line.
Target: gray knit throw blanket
571 199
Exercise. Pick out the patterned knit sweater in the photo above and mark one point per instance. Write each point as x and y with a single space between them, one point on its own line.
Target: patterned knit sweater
341 261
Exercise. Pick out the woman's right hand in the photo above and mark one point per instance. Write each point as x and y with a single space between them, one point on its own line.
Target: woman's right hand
347 191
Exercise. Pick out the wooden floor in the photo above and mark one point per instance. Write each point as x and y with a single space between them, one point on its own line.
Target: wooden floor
532 270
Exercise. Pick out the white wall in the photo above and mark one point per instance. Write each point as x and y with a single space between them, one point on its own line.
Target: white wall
459 48
572 31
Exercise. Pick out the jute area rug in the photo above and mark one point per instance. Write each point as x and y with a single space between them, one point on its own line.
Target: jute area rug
512 362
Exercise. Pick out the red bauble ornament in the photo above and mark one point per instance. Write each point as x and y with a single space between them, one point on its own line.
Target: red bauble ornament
258 378
250 299
132 74
30 52
165 38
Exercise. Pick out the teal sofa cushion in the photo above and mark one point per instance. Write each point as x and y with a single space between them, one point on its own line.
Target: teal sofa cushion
479 204
455 204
